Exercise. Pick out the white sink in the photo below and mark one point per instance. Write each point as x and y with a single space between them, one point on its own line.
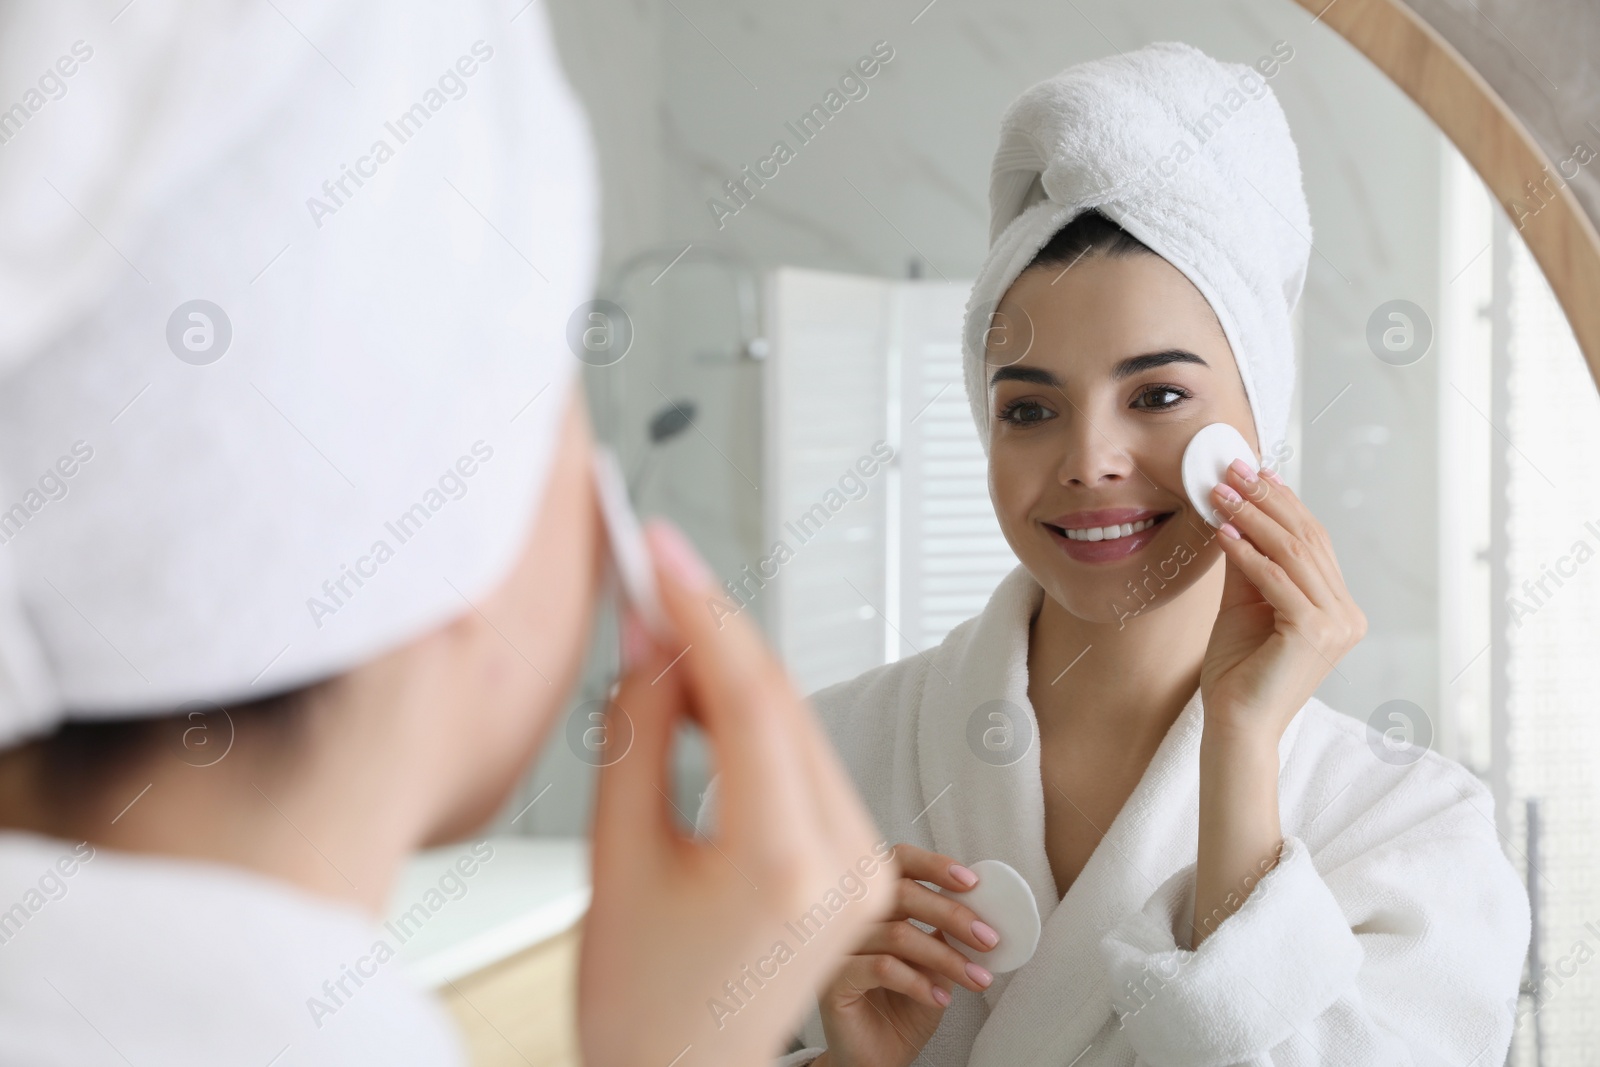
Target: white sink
450 923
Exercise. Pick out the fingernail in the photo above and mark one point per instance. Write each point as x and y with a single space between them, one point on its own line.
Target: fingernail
963 875
985 933
634 640
941 996
1228 493
1242 469
1272 475
1228 528
979 975
677 554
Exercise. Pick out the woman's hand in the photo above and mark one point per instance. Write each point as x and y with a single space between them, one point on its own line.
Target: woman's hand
698 952
1286 617
887 999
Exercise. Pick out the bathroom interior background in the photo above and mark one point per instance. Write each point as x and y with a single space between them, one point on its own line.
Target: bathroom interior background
1446 481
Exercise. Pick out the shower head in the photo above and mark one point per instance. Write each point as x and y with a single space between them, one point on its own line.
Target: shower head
671 420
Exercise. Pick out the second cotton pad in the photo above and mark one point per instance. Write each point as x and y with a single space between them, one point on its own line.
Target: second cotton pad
1002 899
1205 464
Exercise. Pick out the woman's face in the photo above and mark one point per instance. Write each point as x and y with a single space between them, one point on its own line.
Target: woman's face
505 669
1102 373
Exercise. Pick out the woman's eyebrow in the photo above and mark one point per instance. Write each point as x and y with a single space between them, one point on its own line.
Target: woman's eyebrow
1035 375
1126 368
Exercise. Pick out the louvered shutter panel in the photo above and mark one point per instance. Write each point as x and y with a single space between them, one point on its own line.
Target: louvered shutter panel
952 554
856 361
827 399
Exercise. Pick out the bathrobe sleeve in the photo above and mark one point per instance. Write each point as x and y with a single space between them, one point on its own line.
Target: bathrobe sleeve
1400 942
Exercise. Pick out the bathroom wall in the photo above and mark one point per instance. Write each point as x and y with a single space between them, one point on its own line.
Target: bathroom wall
685 93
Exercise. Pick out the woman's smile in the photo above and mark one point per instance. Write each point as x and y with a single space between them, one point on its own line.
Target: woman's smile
1107 535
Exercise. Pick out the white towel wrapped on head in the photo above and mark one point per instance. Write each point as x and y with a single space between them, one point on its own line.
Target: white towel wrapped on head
396 227
1190 155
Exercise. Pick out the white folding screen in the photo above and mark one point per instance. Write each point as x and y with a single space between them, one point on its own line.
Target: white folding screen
879 532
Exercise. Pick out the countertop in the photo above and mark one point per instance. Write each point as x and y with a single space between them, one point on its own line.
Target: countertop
461 908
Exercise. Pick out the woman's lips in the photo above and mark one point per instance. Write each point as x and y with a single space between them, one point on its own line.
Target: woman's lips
1111 549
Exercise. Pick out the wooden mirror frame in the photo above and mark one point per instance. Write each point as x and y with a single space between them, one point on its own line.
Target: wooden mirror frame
1439 80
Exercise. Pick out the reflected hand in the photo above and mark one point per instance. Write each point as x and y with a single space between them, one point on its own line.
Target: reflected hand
1286 617
885 1003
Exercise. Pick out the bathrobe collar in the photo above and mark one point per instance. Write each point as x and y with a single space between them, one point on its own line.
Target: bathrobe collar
985 800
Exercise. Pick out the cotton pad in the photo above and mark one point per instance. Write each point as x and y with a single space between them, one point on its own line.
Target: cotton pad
629 554
1205 463
1003 899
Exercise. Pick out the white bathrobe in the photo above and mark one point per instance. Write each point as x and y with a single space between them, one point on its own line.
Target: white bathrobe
111 958
1391 932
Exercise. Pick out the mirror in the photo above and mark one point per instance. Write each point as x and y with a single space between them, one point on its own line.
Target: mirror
774 317
795 205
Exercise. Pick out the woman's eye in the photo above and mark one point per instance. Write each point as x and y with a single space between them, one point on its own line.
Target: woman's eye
1164 395
1025 413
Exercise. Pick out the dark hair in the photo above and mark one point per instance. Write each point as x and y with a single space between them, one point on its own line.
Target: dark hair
1089 231
77 762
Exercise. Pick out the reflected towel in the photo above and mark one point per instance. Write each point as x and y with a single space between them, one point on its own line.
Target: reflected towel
1194 158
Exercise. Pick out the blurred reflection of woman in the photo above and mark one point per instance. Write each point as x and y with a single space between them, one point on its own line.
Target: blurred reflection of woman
300 552
1229 871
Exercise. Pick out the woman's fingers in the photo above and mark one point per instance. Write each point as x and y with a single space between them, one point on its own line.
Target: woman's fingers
1329 634
679 915
1280 524
928 951
1242 507
1274 583
631 741
862 974
943 871
916 901
833 799
727 673
1272 495
942 910
785 804
1308 517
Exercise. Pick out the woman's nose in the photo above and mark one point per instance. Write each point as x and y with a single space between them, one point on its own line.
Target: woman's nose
1092 456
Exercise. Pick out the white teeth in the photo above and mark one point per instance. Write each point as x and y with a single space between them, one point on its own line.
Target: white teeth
1109 533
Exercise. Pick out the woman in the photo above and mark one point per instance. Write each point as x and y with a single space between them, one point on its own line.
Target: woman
1229 870
301 553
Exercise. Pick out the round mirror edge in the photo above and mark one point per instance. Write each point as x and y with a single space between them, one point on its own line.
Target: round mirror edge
1488 134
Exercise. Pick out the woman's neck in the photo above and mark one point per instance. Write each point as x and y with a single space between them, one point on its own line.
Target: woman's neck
336 816
1123 682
